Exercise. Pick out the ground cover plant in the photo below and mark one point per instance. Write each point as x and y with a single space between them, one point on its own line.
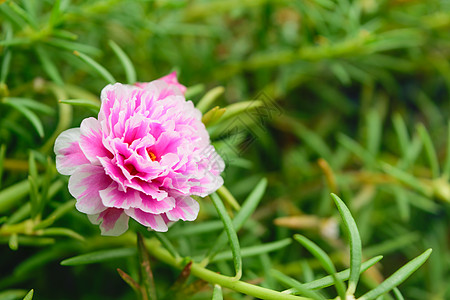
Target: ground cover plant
331 117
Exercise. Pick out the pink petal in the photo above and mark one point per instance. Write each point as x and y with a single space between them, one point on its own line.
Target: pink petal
154 221
114 172
85 185
185 209
68 152
151 205
172 80
113 221
91 140
112 197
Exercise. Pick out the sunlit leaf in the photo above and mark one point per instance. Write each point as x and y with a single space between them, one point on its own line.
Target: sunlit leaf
99 256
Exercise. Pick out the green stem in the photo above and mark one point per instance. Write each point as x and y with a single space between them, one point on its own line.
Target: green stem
225 194
215 278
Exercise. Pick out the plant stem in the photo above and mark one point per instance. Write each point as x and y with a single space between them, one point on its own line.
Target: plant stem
215 278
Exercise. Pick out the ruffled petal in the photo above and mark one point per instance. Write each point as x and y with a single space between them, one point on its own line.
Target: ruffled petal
112 197
153 221
68 152
113 221
185 209
91 140
85 185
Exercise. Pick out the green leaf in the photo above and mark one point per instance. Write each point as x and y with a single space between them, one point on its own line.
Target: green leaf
12 294
299 287
314 141
213 116
99 256
82 102
29 296
413 151
31 104
63 232
209 98
31 116
250 204
429 149
225 194
55 14
446 170
29 240
73 46
13 242
15 41
146 271
23 14
402 202
354 147
64 34
131 282
46 184
402 132
48 65
324 260
195 229
231 233
56 214
341 73
32 165
398 277
194 90
248 207
355 243
343 275
5 65
167 244
96 66
395 244
241 107
255 250
374 128
217 293
10 195
34 196
398 294
130 72
20 214
407 179
2 159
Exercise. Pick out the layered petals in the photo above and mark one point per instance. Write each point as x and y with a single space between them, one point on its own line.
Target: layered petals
144 157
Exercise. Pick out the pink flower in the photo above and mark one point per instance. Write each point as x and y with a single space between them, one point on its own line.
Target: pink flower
144 158
170 79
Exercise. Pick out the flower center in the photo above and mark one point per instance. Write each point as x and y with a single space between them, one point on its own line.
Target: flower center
152 155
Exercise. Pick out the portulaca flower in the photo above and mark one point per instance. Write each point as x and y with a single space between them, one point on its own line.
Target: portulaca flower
144 157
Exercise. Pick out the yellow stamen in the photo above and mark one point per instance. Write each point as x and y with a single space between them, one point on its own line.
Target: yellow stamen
152 155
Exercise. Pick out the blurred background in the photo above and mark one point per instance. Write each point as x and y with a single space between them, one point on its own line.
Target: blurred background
355 101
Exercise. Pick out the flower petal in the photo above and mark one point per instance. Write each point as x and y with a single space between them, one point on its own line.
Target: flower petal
85 185
91 140
172 80
156 222
185 209
113 221
68 152
151 205
113 197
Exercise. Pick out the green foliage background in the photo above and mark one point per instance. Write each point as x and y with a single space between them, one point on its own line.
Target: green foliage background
359 92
